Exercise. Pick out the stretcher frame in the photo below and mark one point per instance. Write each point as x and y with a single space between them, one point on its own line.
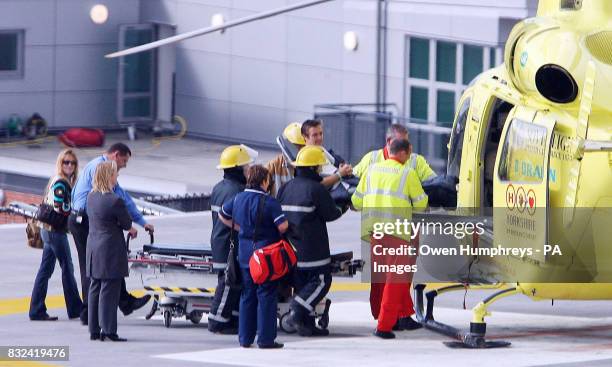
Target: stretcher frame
182 284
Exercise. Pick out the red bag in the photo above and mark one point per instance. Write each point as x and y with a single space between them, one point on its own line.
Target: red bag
272 262
82 137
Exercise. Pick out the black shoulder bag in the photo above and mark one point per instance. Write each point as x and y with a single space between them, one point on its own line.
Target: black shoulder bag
233 279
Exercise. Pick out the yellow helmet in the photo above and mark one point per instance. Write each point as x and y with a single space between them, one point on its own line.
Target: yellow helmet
293 133
310 156
235 156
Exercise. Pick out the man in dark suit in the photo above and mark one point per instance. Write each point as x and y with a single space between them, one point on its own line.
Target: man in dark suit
79 227
107 259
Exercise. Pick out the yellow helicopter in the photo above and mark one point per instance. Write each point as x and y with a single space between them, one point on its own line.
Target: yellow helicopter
532 148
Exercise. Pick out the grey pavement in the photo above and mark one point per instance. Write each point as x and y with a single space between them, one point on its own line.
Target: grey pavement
564 334
169 166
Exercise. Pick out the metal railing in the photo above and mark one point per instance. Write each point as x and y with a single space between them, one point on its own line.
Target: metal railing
185 203
353 129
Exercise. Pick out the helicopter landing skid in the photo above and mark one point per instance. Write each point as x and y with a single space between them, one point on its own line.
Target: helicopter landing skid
475 338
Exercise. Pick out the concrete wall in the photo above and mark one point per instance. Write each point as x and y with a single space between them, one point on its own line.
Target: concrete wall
246 83
250 81
66 78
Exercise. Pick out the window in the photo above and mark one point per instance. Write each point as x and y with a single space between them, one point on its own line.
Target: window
445 107
437 73
419 58
472 62
11 53
522 156
456 148
418 103
446 60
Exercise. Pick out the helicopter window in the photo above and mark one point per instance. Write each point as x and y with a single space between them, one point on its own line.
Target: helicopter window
522 156
494 132
456 148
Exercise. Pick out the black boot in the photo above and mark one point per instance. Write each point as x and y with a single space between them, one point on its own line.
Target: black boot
407 323
319 332
133 304
111 337
299 325
384 334
274 345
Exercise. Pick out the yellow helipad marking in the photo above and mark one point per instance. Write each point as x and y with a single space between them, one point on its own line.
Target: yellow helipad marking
349 287
13 306
22 305
25 364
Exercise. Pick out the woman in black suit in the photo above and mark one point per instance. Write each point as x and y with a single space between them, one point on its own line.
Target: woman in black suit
107 260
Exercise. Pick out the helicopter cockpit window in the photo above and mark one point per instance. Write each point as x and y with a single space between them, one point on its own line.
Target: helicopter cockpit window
522 156
456 148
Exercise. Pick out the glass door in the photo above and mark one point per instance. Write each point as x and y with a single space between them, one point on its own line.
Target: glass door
136 87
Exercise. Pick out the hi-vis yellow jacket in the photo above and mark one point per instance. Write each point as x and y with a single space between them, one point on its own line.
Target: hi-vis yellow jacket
388 192
416 161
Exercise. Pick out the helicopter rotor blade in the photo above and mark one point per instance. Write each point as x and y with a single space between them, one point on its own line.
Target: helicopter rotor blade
202 31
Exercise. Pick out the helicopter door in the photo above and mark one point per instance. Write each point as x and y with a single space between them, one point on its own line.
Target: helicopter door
520 215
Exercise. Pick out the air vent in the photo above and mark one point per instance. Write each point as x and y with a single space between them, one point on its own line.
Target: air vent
556 84
600 46
571 4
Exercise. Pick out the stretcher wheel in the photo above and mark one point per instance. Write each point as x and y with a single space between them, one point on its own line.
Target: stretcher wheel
195 317
284 324
167 318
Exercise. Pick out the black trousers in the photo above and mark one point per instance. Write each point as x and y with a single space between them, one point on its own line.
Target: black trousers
310 287
80 231
224 308
104 299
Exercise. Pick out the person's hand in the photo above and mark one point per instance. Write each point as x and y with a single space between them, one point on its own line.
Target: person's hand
149 228
133 232
345 169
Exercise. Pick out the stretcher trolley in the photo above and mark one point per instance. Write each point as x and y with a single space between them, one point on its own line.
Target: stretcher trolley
181 280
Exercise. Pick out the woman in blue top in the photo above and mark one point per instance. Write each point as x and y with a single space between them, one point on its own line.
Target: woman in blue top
257 302
56 245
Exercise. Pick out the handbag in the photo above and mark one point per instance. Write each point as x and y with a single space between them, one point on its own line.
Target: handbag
33 234
273 261
46 213
233 280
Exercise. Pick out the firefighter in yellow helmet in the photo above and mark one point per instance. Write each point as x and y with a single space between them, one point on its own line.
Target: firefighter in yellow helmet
280 169
388 192
308 205
416 161
234 161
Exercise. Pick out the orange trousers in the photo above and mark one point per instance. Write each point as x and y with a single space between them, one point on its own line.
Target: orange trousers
390 300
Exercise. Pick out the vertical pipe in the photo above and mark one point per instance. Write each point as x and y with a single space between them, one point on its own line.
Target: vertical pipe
378 51
381 55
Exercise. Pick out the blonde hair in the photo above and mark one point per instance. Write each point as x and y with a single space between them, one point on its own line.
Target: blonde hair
58 166
102 178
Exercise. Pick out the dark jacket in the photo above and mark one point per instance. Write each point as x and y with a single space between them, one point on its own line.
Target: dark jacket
106 248
308 206
223 192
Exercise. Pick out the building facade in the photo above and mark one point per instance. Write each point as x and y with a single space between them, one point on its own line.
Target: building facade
246 83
